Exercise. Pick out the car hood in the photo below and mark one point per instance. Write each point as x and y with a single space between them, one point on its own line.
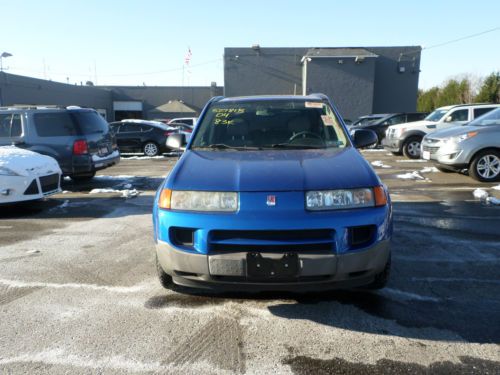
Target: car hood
273 170
25 162
454 131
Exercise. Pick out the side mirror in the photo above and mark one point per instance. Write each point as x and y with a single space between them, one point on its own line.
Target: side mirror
448 119
176 141
364 138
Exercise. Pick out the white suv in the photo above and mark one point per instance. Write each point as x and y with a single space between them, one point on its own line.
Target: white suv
406 138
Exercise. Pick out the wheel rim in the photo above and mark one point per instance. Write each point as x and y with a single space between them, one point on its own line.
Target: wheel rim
488 166
414 148
150 149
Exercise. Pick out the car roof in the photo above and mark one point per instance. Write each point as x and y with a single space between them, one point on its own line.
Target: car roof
157 124
448 107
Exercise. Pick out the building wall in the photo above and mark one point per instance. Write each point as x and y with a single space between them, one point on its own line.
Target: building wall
327 76
16 89
279 71
267 71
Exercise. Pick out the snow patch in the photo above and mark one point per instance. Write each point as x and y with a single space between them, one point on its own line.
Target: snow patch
25 162
373 150
429 170
405 296
125 193
412 176
411 161
485 198
496 187
379 163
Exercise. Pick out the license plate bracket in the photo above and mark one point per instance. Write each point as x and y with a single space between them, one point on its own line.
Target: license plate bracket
265 268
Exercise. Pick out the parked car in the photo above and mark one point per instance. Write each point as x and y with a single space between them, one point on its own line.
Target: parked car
148 137
183 120
78 138
475 147
363 120
271 193
27 175
405 138
380 125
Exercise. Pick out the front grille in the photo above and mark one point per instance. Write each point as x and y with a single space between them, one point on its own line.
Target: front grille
49 183
431 149
271 241
32 188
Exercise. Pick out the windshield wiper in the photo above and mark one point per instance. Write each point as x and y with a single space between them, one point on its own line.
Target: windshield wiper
223 146
295 146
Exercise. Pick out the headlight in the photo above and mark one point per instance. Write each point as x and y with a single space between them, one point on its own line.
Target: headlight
199 200
460 138
4 171
343 199
398 131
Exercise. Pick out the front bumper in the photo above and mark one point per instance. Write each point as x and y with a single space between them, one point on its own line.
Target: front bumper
448 155
16 189
392 144
318 271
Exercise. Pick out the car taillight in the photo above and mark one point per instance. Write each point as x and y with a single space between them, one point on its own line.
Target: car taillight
169 133
80 147
189 130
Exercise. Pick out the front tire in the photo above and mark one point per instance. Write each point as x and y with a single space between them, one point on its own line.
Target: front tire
411 147
485 166
165 279
151 149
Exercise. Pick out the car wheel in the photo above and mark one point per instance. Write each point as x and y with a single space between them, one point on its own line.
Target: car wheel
151 149
82 177
485 166
444 170
382 278
411 148
165 278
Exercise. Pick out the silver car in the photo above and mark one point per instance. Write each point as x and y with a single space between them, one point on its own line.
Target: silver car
475 146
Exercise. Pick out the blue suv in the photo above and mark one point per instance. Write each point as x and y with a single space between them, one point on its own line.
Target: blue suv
271 194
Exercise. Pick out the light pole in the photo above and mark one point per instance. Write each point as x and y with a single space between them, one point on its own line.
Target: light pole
3 56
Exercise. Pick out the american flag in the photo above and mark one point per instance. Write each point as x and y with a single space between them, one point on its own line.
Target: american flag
187 59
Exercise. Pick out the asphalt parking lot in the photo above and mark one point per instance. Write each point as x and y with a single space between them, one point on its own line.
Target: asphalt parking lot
78 291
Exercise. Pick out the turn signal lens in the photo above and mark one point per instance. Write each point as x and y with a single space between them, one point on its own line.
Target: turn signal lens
165 199
380 196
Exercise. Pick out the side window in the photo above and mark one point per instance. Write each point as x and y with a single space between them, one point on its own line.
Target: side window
396 120
130 128
5 120
54 124
459 115
16 129
481 111
10 125
145 128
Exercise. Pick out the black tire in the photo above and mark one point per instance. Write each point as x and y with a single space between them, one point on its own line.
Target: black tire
443 169
165 279
382 278
83 177
485 166
150 149
396 153
411 147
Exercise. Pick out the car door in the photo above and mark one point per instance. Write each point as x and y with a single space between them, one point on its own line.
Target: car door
130 136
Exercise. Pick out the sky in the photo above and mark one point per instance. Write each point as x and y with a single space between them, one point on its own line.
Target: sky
145 42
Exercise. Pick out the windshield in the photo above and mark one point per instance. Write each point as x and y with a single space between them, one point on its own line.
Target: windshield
436 115
274 123
489 119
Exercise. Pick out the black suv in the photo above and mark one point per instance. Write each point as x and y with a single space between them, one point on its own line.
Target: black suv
78 138
144 136
380 125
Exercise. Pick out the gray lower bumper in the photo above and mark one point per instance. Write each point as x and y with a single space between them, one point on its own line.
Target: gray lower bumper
317 270
392 144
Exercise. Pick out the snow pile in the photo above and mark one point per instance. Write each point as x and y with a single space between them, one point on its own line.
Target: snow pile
125 193
144 157
373 150
429 170
496 187
484 197
412 176
379 163
411 161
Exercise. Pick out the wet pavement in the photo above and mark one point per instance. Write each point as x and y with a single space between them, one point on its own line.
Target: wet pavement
78 293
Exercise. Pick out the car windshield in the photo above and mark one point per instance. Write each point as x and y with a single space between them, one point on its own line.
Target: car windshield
366 120
265 124
436 115
489 119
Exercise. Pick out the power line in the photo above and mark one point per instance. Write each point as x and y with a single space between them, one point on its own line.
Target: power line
462 38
